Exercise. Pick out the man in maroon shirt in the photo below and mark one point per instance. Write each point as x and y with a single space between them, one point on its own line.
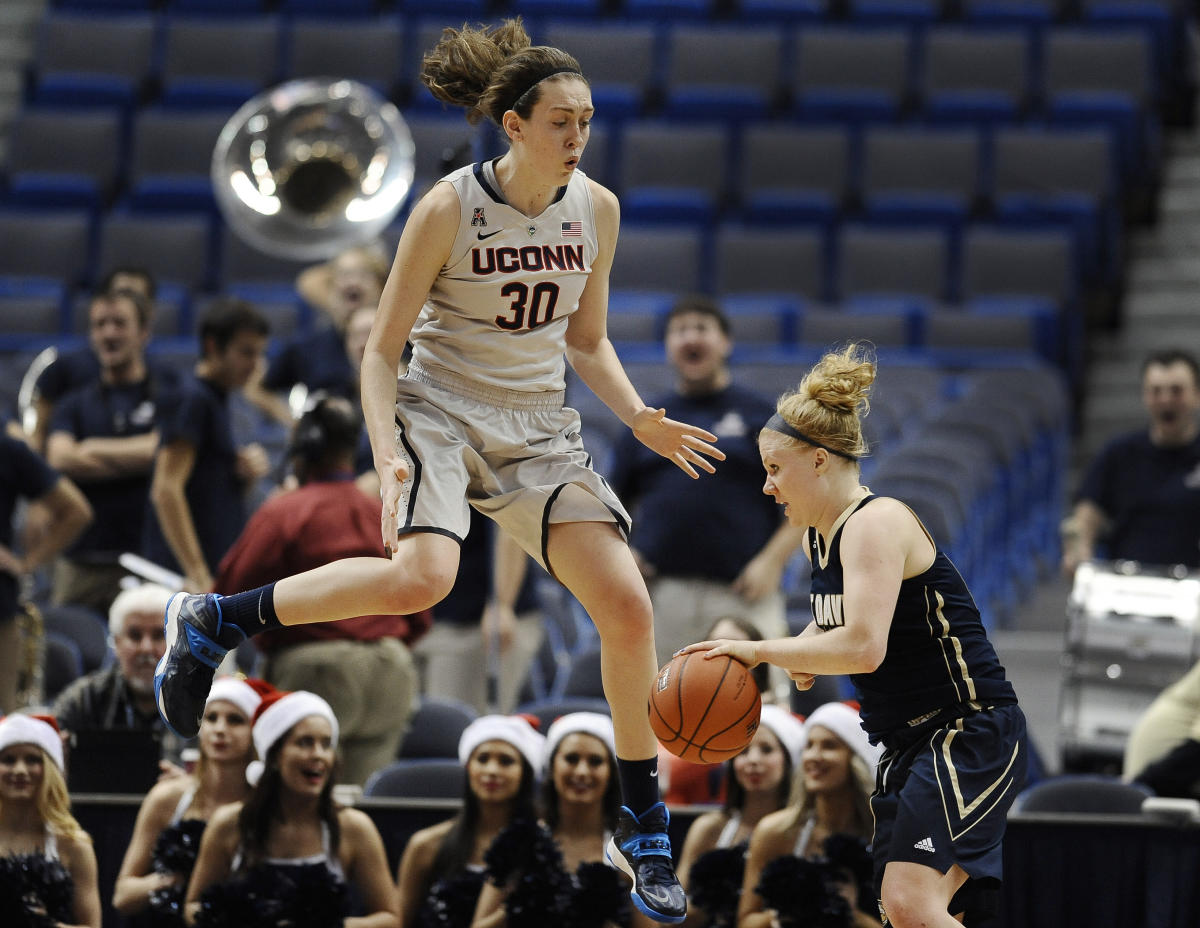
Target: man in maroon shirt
362 667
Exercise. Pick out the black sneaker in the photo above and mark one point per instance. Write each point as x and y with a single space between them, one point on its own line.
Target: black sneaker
641 849
184 676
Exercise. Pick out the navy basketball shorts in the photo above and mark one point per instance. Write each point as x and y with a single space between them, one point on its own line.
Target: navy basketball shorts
943 798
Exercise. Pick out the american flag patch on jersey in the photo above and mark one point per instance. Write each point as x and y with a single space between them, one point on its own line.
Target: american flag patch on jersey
572 228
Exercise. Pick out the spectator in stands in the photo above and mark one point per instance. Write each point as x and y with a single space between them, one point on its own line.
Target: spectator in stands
537 874
1163 750
1140 499
831 795
199 473
102 436
121 695
47 864
715 547
711 864
78 367
319 359
359 664
24 475
487 630
166 836
289 846
441 872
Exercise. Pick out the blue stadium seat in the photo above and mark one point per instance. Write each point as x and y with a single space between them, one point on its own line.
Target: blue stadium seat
853 75
791 174
45 248
896 12
668 10
1105 78
915 175
89 60
784 12
218 62
64 158
170 159
661 259
330 9
751 259
435 727
975 75
1013 12
884 263
175 248
622 61
369 51
747 85
1066 179
673 173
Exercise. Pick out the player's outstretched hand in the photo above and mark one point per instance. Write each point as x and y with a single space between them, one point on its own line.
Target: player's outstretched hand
685 445
745 652
391 483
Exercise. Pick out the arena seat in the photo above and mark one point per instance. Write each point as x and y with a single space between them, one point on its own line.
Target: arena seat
418 778
748 84
789 174
92 60
435 727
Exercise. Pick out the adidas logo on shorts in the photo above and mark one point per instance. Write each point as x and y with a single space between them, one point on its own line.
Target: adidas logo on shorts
925 844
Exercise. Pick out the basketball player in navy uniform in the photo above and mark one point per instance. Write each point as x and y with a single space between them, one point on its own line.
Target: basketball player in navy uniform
501 269
890 609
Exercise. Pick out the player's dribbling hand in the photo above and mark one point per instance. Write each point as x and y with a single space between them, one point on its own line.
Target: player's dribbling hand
744 652
682 444
803 681
391 485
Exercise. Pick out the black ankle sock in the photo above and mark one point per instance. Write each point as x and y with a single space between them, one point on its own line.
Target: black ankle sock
252 612
639 783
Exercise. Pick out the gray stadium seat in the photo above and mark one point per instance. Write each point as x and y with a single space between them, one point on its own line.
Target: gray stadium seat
619 59
173 248
888 262
759 259
60 155
435 727
658 258
85 59
418 778
672 172
974 75
920 174
51 245
215 61
747 83
370 51
790 173
854 73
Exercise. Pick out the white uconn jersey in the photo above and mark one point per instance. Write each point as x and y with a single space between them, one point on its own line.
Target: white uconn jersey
497 312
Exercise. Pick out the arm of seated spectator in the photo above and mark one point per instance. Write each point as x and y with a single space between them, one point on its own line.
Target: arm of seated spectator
763 574
168 492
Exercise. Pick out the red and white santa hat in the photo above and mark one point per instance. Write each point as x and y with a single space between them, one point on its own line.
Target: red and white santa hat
244 694
278 713
845 722
596 724
28 729
787 728
511 729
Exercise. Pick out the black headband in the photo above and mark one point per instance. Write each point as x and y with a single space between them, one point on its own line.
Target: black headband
778 424
517 99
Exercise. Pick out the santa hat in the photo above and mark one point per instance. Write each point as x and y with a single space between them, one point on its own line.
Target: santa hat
511 729
245 694
588 723
28 729
787 728
277 714
844 722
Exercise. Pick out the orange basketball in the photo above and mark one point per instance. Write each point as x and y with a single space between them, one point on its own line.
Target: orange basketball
704 710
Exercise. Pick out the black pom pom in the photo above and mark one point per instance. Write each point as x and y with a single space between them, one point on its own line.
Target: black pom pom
851 854
37 891
803 893
716 881
600 896
451 902
268 895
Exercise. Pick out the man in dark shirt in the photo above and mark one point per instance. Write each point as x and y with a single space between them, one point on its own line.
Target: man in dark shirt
74 368
199 473
1140 499
24 475
102 436
708 550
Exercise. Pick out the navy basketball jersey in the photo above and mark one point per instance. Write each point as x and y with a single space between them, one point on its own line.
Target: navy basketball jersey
938 654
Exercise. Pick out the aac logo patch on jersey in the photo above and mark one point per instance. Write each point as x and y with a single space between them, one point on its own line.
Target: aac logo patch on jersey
477 217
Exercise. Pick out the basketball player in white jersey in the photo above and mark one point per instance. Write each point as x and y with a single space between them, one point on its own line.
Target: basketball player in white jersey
501 269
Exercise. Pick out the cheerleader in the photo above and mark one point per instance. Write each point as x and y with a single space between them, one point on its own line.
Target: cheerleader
441 872
288 854
47 865
166 836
